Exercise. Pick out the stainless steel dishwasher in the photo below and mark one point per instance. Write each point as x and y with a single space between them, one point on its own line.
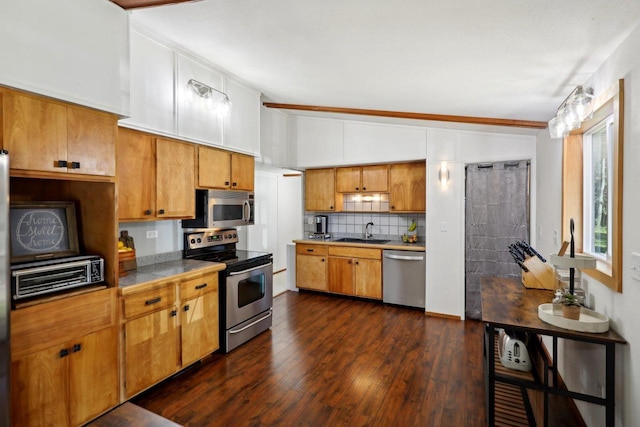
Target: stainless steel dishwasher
403 278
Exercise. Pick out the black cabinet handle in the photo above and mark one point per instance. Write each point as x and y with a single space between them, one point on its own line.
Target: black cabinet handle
174 313
309 250
364 188
153 301
147 212
227 183
349 262
75 165
322 259
393 207
62 164
161 211
357 263
234 184
64 352
204 285
357 188
76 348
330 207
186 308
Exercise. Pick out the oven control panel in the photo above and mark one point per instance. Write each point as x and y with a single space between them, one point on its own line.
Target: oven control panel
208 238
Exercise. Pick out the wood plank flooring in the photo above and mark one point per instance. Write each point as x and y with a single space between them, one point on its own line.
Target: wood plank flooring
331 361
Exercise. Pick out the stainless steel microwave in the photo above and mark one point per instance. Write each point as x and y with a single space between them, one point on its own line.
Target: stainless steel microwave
221 208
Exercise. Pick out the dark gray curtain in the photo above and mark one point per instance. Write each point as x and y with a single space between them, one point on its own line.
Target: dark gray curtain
497 214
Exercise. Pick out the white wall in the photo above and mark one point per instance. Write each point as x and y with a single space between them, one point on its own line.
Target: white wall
582 367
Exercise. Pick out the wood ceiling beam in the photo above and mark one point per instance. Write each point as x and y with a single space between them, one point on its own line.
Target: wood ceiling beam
136 4
416 116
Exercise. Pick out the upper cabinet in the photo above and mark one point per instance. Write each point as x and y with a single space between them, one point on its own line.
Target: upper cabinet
408 190
156 177
359 179
319 190
242 123
225 170
69 50
152 85
66 138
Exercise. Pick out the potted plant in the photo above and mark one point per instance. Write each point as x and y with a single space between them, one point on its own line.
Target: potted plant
570 306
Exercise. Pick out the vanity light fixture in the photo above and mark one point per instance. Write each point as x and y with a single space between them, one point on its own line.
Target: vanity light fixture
575 109
443 174
214 99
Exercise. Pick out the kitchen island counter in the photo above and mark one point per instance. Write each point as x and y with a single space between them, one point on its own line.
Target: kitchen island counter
397 245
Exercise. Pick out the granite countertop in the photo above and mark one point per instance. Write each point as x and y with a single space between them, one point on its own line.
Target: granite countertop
165 270
398 245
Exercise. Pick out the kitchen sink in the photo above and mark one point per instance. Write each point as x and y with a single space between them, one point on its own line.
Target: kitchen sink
355 240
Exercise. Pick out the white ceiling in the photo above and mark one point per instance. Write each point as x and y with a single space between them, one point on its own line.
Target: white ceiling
512 59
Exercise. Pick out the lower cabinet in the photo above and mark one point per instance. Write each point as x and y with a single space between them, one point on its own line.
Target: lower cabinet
311 267
355 271
59 380
167 326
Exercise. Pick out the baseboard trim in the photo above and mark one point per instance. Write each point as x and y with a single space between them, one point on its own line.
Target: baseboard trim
441 315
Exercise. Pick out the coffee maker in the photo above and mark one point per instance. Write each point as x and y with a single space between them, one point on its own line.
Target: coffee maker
321 227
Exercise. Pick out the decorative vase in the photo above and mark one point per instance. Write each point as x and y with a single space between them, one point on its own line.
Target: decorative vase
571 312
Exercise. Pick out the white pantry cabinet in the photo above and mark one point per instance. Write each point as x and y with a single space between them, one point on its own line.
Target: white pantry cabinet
376 142
76 51
195 119
152 80
242 123
316 141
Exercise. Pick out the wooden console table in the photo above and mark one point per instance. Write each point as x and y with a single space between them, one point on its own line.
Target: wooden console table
509 305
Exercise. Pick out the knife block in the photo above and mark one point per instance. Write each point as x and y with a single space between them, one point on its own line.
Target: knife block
539 276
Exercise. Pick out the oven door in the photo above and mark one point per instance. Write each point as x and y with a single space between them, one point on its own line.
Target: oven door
249 293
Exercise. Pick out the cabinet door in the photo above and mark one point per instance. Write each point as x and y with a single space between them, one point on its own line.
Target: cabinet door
348 180
35 133
242 172
369 278
311 272
136 163
40 388
408 187
93 375
375 178
341 275
214 168
175 179
319 188
151 352
91 144
199 319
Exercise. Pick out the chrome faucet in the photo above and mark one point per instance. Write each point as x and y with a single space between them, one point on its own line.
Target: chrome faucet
366 231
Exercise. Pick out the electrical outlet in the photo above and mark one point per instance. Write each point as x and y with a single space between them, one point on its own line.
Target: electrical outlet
152 234
444 226
635 266
555 237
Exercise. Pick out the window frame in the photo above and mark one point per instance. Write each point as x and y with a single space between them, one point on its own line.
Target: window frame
611 102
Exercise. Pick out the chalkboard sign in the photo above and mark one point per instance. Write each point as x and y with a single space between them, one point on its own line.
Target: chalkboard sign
42 230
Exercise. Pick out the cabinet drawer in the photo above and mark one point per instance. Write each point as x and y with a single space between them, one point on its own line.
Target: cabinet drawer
355 252
146 302
198 285
303 249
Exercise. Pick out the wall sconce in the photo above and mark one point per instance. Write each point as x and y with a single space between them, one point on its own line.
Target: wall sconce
443 174
575 109
213 98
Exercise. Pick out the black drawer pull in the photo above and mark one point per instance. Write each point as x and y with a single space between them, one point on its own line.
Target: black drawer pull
202 286
174 313
75 165
186 308
161 211
235 184
309 250
226 183
147 212
76 348
364 188
64 352
62 164
153 301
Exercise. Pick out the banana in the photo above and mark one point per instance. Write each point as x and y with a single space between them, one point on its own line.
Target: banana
412 226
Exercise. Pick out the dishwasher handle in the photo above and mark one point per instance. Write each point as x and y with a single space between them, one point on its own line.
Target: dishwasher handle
405 257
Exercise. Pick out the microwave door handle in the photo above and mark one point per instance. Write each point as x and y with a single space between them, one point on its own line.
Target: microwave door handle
246 211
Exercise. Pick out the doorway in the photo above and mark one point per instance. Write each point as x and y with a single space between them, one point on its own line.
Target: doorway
497 214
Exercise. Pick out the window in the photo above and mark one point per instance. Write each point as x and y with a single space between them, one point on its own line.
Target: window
597 156
592 187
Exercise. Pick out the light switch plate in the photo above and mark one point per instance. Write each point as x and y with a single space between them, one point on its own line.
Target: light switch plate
152 234
635 266
444 226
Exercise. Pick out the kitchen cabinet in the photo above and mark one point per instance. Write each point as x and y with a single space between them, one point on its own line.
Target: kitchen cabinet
355 271
311 267
199 317
225 170
156 177
242 123
53 350
358 179
319 189
150 338
67 138
407 191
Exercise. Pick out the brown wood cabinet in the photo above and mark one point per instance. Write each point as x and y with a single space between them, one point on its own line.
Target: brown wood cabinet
355 271
156 177
43 135
319 189
408 187
311 267
359 179
57 379
225 170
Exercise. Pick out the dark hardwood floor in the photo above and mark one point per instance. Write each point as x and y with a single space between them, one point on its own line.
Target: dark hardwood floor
335 361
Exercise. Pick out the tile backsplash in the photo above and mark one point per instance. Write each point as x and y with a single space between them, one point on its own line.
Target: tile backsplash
389 226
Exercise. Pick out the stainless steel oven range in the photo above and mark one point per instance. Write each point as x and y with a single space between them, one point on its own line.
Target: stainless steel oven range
246 285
